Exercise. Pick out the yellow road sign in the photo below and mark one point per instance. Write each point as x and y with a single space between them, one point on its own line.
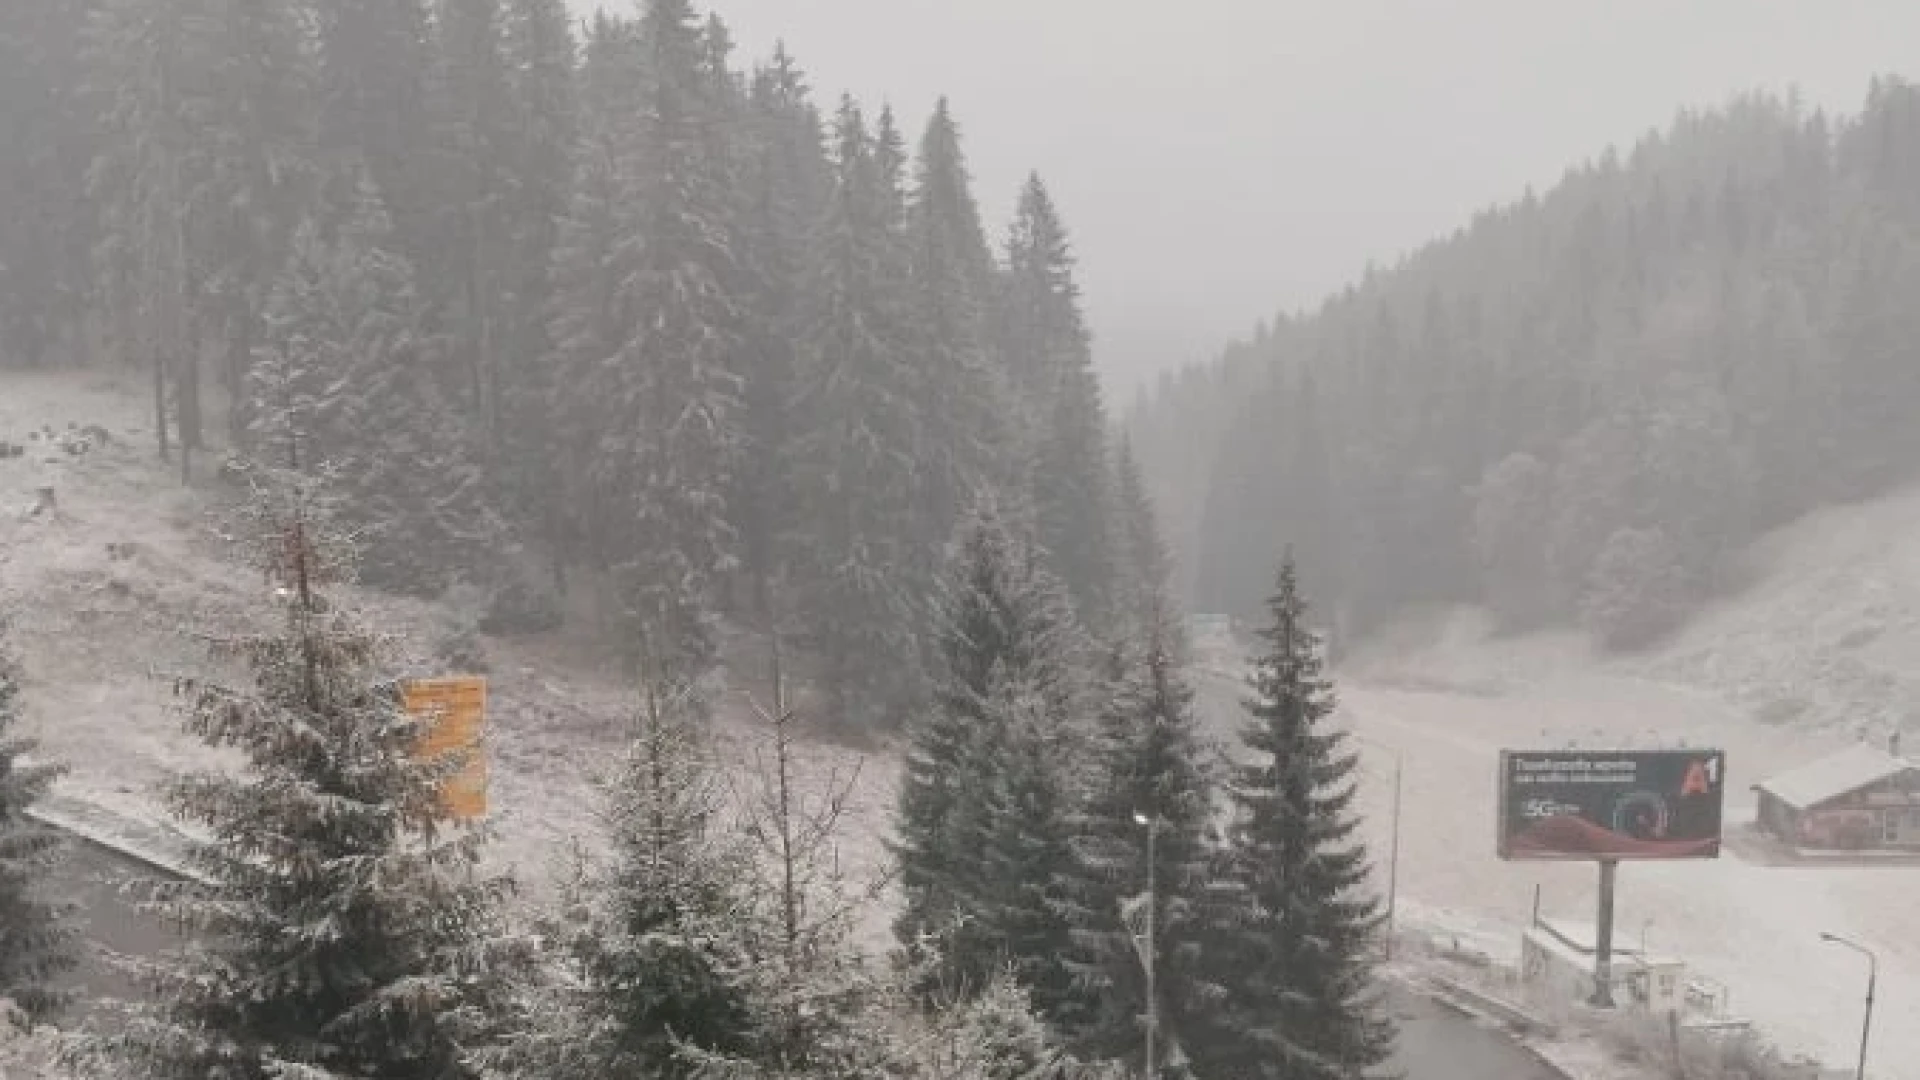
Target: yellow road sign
455 710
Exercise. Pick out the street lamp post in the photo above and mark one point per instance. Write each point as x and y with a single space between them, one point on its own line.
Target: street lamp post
1152 826
1873 975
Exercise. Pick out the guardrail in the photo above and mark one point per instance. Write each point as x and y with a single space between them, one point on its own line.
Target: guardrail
1471 999
154 846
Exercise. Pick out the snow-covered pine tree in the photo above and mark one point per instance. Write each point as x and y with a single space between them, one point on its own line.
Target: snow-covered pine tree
46 223
1048 356
890 159
150 60
35 945
661 387
465 269
1005 625
375 67
786 182
996 1036
1020 907
1148 767
346 365
539 47
343 929
855 472
960 399
662 953
585 320
1143 579
1290 956
251 174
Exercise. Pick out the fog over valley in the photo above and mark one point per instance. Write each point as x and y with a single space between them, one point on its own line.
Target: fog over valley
1225 160
859 539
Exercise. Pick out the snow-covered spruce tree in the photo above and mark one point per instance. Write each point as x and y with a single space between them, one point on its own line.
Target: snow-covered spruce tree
375 71
347 364
540 50
1019 906
659 948
1048 356
1143 577
785 181
1290 954
1005 624
342 930
1148 765
464 271
35 945
585 320
959 396
856 473
651 333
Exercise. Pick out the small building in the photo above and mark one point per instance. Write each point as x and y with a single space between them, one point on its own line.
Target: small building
1860 798
1559 954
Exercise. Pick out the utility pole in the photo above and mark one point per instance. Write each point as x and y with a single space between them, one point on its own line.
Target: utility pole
1393 856
1147 956
1393 859
1873 976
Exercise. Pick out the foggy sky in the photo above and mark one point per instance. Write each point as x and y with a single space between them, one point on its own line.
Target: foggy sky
1220 160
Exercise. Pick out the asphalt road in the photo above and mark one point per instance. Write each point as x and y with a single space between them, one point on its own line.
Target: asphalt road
1435 1043
96 881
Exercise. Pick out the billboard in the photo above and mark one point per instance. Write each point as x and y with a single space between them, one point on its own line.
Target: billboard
1611 804
455 710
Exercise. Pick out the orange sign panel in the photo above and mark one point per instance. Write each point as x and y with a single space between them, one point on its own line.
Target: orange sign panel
455 710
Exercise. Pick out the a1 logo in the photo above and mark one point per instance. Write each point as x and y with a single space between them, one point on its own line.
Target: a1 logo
1701 776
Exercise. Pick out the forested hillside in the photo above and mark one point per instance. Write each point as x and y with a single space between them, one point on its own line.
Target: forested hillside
1574 407
567 310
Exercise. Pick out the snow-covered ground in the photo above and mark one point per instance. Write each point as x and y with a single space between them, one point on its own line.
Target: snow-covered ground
102 632
1446 697
1831 620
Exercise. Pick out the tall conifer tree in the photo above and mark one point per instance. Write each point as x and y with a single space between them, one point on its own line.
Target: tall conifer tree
1008 683
1048 357
960 394
344 930
1291 954
857 478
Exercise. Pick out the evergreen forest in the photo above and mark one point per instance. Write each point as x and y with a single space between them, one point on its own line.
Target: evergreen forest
1574 408
623 335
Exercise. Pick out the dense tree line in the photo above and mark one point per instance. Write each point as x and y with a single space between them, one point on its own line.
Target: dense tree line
1061 819
579 310
1074 867
1573 407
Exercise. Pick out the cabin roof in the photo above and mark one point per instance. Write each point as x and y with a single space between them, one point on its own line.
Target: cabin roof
1830 777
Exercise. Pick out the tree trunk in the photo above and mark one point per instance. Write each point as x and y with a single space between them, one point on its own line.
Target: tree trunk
160 401
239 359
187 392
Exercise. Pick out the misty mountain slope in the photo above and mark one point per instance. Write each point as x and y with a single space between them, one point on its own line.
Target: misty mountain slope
101 634
1821 635
1573 410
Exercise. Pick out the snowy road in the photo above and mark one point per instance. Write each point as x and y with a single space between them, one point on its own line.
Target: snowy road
92 878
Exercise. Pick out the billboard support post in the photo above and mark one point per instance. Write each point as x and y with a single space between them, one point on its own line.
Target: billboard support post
1603 938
